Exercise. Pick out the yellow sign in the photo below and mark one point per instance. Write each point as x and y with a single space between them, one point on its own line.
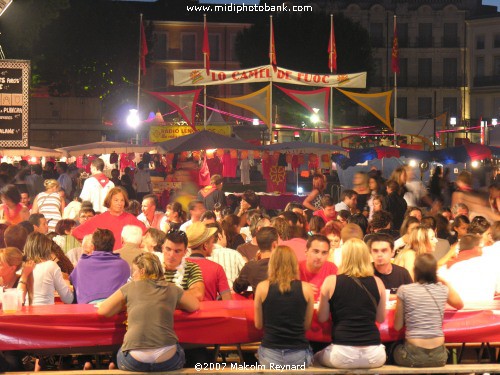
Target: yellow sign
166 132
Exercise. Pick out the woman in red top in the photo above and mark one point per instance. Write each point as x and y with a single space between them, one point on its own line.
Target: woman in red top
12 212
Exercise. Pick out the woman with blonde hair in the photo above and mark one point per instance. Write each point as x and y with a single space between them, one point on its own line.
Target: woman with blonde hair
150 344
11 261
313 200
284 309
420 241
47 276
355 300
49 203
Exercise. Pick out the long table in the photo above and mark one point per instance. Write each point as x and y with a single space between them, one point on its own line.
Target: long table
223 322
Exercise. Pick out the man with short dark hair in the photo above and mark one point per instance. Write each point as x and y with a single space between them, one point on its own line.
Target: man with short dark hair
149 216
100 274
255 271
382 223
39 223
85 214
249 250
97 186
348 201
381 247
212 194
327 211
186 275
201 242
316 267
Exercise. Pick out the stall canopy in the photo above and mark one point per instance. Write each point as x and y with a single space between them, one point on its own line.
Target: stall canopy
105 147
31 151
304 147
204 140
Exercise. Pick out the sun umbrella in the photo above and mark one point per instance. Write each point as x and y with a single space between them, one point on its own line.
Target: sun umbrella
204 140
303 147
31 151
105 147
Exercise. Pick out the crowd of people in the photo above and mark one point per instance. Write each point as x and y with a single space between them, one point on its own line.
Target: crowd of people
383 243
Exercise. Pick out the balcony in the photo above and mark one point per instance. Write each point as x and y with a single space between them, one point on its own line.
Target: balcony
487 81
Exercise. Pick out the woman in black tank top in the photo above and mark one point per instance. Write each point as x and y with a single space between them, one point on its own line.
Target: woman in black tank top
355 300
284 308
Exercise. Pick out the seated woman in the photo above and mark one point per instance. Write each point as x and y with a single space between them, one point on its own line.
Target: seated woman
420 307
354 299
150 344
64 239
284 308
47 276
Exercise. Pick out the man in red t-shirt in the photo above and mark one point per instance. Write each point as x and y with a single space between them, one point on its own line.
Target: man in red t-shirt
327 211
316 267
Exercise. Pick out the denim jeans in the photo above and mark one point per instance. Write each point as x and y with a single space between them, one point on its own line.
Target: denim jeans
285 356
343 356
410 355
128 363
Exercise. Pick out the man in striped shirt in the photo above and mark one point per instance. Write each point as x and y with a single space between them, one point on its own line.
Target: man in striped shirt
186 275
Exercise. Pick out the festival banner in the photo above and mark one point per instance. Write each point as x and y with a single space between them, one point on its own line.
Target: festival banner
160 133
266 73
377 104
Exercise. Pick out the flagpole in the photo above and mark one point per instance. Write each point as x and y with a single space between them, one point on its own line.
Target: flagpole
204 86
271 58
395 91
139 73
331 88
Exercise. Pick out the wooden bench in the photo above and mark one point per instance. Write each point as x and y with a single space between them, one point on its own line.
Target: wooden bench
448 369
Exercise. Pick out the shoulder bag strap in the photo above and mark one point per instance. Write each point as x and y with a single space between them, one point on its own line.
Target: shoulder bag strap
441 315
356 280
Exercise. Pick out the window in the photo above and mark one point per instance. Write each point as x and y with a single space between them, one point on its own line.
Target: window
496 66
425 72
159 77
188 46
403 34
450 38
450 106
480 67
496 41
377 78
425 107
479 107
232 47
449 72
402 107
161 46
403 72
214 42
377 34
480 42
425 35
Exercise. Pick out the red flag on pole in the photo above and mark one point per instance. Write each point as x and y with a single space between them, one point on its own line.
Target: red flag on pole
272 51
144 49
206 46
332 49
395 50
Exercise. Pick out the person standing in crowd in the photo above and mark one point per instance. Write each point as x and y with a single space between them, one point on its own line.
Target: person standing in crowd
97 186
313 200
423 316
150 344
316 267
355 300
360 186
34 182
284 309
149 216
12 211
49 203
395 204
348 201
186 275
213 194
101 273
382 250
114 219
65 181
196 209
142 181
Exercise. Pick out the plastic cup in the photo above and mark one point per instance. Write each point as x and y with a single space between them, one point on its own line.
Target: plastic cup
10 301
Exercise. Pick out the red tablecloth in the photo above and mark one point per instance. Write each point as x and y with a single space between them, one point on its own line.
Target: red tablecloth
224 322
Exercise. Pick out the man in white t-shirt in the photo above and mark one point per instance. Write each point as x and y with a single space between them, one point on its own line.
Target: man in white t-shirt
97 186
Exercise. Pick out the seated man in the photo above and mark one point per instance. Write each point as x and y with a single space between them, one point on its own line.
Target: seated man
186 275
100 274
201 242
131 243
249 250
381 247
87 247
255 271
39 223
327 211
149 216
316 267
382 223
